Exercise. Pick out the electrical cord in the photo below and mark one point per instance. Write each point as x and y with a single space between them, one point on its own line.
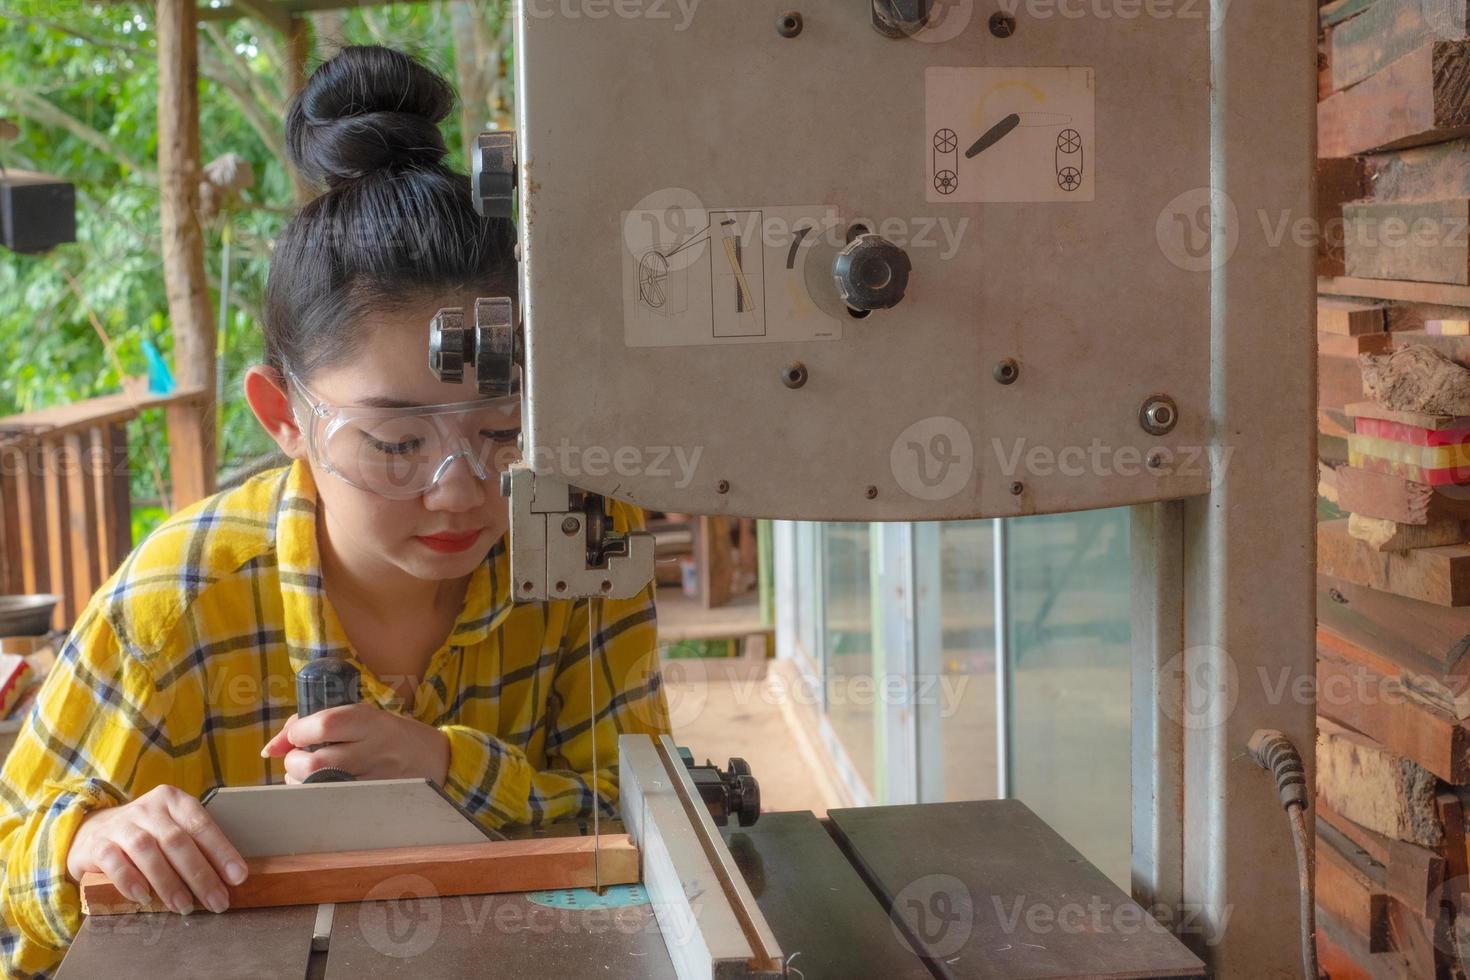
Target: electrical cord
1273 751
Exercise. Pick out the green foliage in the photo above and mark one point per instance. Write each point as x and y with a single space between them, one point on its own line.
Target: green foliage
81 82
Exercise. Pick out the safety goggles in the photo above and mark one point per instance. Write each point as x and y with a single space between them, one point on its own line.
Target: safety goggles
400 453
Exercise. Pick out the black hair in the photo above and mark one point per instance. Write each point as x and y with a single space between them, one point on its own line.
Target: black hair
396 223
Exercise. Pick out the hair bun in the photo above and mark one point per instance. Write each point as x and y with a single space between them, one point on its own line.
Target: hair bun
368 109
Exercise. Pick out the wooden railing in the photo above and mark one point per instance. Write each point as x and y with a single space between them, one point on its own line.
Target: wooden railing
65 497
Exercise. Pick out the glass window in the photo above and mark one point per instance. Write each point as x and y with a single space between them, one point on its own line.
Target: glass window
847 643
1068 579
955 586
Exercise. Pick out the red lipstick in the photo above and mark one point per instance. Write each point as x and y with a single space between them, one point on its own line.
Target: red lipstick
449 544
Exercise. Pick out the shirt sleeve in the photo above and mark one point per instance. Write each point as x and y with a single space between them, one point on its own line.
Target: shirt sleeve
95 730
496 782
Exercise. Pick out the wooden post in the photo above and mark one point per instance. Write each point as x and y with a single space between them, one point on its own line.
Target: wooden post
191 440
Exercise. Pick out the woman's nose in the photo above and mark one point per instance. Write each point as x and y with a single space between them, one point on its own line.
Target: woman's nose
458 489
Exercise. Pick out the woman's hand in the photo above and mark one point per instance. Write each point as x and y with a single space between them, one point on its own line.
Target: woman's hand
164 840
364 740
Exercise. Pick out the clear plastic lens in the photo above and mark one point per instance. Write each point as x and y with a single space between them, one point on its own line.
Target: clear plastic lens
401 453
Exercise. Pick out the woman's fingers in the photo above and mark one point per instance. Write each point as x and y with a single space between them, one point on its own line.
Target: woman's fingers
345 723
123 873
191 815
192 866
279 743
301 763
147 855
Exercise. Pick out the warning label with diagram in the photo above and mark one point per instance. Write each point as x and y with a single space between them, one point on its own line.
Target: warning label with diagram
1009 134
733 275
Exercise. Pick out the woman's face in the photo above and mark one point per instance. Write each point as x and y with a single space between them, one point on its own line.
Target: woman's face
445 532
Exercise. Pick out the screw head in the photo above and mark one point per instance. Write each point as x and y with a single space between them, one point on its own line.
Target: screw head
570 526
794 375
1002 24
723 486
1154 460
789 24
871 492
1006 371
1016 488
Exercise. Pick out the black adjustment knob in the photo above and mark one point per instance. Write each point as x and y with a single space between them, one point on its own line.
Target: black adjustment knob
872 273
493 174
326 682
744 792
449 344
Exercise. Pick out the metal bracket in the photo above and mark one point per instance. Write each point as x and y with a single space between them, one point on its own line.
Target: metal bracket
707 914
561 546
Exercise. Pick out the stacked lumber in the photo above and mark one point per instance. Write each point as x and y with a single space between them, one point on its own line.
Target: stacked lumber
1393 549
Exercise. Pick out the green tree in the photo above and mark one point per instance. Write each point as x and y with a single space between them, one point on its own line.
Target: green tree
80 80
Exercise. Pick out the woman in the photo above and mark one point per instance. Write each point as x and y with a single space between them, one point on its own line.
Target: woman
383 542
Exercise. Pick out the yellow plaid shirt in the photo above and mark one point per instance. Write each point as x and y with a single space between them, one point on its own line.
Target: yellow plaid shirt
183 666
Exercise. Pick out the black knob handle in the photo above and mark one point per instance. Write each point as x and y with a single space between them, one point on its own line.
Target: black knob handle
326 682
872 273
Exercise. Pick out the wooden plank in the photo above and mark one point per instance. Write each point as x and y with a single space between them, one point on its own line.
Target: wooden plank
1422 241
1420 98
1388 30
1384 535
82 523
544 863
1344 955
1347 890
31 517
190 453
712 555
685 863
1426 640
1423 420
120 480
1412 935
1349 318
58 555
1371 786
58 420
1338 182
1376 705
1396 499
1449 694
1336 345
1411 102
1440 575
1339 381
1423 173
1413 874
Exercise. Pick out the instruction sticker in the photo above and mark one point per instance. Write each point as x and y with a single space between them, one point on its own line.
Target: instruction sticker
693 275
1008 134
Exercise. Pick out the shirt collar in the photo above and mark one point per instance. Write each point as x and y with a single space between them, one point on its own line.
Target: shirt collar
312 628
